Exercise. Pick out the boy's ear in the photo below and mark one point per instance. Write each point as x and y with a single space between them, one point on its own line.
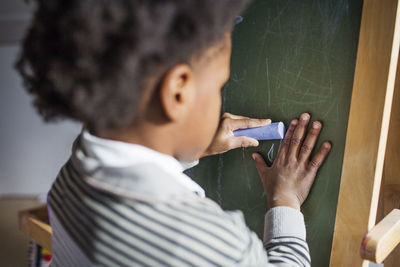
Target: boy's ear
176 91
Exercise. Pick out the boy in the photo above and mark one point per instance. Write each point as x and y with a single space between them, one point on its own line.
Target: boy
145 78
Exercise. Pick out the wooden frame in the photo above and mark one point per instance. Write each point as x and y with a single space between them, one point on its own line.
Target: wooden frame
368 127
391 172
35 224
382 239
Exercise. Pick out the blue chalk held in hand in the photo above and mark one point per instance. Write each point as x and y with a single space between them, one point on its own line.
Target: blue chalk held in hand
271 131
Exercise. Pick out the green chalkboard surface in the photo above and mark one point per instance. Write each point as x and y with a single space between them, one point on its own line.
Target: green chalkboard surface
288 57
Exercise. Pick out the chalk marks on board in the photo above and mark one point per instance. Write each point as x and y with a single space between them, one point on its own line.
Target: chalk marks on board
268 83
246 172
332 108
238 19
219 178
270 153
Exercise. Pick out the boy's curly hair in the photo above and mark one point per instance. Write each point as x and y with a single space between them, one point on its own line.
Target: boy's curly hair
89 60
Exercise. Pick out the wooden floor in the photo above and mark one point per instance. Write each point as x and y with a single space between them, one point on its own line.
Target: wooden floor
13 243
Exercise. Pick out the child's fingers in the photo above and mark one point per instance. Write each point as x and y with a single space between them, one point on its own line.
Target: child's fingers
309 143
242 141
260 164
319 158
298 136
236 124
286 141
232 116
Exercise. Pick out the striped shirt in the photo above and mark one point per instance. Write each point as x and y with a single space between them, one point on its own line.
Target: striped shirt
119 204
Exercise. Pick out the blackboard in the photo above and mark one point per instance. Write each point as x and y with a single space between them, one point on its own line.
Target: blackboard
288 57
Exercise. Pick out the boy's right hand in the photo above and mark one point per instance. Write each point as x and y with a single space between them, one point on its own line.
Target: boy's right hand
288 181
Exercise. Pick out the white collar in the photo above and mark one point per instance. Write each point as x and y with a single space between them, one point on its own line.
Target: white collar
111 154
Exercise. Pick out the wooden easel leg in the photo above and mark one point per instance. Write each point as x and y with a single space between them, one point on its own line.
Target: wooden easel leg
391 171
366 139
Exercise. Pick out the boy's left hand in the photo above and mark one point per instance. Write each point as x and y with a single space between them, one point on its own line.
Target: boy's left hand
224 139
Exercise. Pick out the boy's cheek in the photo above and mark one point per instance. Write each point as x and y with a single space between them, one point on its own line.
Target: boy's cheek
208 117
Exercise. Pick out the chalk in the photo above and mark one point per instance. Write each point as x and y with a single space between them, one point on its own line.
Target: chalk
271 131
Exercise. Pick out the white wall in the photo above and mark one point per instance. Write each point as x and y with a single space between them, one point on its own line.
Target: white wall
31 152
14 18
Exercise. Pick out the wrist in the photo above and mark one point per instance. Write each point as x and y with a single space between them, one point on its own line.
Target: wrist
281 202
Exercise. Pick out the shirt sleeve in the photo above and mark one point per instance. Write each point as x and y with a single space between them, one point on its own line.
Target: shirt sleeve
285 237
284 241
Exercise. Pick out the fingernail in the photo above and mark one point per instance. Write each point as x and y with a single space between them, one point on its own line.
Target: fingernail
305 116
294 122
253 156
327 145
316 125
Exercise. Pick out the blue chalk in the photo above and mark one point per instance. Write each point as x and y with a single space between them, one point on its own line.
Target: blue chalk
271 131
